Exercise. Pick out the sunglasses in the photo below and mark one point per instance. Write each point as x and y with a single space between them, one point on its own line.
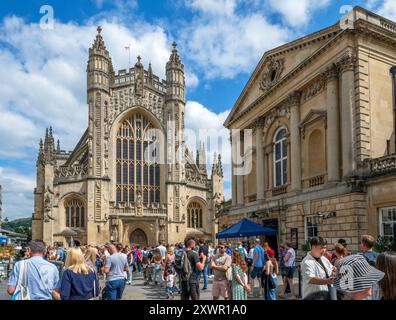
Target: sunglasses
221 247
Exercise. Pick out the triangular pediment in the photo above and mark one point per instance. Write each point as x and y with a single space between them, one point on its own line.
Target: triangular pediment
312 116
276 64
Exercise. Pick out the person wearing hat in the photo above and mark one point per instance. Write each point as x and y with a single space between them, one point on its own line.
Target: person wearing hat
357 277
269 280
317 271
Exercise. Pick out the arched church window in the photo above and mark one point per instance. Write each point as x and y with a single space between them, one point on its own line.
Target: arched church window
194 215
135 174
280 158
75 213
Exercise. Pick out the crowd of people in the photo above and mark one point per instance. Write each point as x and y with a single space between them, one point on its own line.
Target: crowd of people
237 273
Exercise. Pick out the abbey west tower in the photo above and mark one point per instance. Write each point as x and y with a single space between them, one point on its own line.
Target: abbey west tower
108 188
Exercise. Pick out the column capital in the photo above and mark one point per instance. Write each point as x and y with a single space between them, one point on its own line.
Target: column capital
347 61
331 73
294 99
258 124
393 71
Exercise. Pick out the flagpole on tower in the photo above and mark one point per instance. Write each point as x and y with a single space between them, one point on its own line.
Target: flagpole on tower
128 47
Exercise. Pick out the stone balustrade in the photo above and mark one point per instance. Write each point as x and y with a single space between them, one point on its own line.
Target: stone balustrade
381 165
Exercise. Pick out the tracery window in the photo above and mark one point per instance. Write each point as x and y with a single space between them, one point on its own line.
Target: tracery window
75 213
134 174
194 215
280 158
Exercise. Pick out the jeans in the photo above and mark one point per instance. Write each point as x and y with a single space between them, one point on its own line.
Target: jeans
130 273
115 289
270 294
205 275
157 275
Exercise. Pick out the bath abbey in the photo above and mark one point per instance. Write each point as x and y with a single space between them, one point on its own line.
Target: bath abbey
130 178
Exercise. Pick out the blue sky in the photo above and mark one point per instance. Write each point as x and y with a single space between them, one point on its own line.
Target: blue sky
220 43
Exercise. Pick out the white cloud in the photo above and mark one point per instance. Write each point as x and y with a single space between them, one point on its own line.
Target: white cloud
17 193
226 43
297 13
386 8
192 80
205 125
219 7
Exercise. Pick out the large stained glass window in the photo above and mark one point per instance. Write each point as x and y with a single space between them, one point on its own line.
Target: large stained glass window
75 213
194 215
135 174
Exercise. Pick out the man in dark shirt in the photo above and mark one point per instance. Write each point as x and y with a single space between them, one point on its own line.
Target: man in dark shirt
190 287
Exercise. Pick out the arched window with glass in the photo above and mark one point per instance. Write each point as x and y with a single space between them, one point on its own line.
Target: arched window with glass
75 213
135 175
194 215
280 158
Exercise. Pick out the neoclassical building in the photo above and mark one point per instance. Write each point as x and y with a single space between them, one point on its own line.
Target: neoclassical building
130 178
321 111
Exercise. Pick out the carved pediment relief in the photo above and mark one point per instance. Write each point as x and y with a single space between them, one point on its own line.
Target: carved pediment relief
271 73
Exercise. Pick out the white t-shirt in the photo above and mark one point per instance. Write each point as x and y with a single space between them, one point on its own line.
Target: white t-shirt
162 249
170 279
310 268
251 254
292 258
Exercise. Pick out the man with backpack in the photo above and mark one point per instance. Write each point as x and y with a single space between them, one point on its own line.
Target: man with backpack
189 265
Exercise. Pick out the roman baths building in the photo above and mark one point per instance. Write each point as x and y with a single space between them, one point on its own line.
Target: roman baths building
322 120
130 178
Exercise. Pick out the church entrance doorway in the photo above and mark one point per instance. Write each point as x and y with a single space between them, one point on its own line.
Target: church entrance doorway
139 237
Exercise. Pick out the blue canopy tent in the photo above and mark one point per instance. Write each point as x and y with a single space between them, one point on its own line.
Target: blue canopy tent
245 228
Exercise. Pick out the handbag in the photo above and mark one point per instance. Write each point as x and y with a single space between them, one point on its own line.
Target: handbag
22 290
95 297
271 282
330 287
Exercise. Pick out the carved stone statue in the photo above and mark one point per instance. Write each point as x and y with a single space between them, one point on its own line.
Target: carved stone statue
139 200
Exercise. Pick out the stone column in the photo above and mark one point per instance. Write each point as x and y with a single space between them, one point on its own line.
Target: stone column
295 144
233 176
346 67
240 192
234 186
333 125
240 178
259 160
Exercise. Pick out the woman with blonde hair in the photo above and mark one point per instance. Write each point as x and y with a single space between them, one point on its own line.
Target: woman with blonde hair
79 281
90 256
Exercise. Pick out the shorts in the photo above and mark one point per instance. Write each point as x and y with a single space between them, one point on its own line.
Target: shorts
288 272
220 288
257 272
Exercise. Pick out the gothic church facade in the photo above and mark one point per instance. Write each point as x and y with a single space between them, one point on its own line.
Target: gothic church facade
123 181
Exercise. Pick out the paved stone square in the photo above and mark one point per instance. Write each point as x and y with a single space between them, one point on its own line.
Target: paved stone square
139 291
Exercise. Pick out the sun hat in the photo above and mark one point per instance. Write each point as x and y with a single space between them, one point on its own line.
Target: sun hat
356 274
